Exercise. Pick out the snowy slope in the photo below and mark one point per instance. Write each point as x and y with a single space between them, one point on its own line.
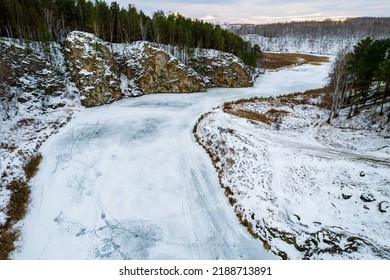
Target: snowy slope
308 189
43 101
326 45
128 181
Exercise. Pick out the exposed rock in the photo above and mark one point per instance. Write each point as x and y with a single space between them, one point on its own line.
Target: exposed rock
367 197
222 69
32 74
32 68
155 71
362 174
346 196
384 206
93 69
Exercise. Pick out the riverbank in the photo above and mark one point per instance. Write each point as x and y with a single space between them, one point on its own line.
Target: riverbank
305 188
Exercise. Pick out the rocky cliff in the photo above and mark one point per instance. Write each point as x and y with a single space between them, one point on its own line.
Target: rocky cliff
222 69
153 70
88 70
32 76
92 68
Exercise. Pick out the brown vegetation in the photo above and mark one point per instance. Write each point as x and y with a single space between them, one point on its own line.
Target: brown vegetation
31 167
256 116
7 238
20 195
17 208
321 95
275 61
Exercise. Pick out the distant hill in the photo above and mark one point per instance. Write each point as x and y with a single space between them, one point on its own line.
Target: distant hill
320 37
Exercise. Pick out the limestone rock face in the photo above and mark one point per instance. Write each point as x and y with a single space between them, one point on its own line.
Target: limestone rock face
153 70
92 68
222 69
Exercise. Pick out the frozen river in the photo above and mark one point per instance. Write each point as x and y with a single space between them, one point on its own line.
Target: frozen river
128 181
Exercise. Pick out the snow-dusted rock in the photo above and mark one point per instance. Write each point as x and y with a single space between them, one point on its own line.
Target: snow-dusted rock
153 70
34 69
367 197
384 206
222 69
93 69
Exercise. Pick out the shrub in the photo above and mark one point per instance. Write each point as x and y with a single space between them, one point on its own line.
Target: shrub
7 239
20 195
31 167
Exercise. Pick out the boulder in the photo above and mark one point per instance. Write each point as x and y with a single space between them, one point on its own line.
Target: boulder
367 197
222 69
153 70
384 206
92 68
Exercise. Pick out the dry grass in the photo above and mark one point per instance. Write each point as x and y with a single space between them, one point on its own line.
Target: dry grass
20 195
7 239
318 97
276 113
31 167
322 94
275 61
256 116
17 208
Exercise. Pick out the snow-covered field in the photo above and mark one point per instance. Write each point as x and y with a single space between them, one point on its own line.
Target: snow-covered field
308 189
128 180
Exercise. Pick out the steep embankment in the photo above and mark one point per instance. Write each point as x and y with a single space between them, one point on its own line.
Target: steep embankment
149 69
93 69
36 99
222 69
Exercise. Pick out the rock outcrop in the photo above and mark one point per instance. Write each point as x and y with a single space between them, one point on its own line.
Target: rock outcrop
222 69
155 71
32 76
89 71
92 68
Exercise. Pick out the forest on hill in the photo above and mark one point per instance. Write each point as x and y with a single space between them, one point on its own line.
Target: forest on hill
361 78
52 20
351 27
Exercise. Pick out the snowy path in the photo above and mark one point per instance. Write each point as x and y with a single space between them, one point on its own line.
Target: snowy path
128 181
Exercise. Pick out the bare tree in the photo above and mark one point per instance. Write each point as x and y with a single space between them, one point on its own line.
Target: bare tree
338 81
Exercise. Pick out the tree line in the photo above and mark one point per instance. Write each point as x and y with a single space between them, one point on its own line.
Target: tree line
361 78
375 27
52 20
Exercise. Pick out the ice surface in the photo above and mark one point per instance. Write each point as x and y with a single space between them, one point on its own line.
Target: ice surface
128 181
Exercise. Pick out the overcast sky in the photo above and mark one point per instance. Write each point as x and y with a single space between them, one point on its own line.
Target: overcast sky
264 11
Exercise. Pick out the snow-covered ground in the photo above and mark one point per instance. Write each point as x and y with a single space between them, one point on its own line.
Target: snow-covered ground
309 189
128 180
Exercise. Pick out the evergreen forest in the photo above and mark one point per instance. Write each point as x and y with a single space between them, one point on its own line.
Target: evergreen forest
361 78
52 20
